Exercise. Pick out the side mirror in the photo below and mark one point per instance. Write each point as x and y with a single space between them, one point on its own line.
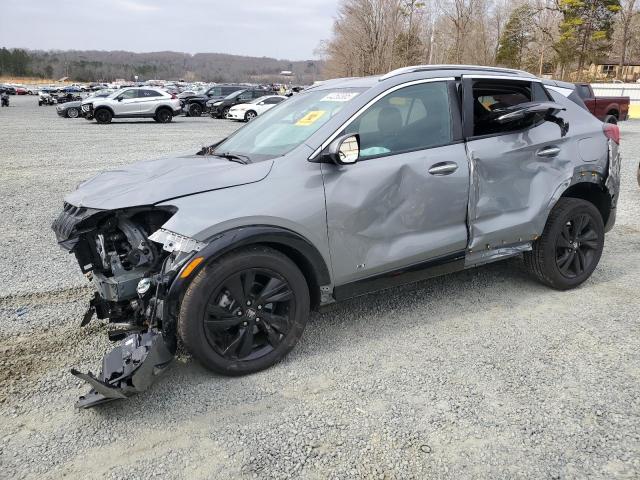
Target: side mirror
518 112
344 150
119 99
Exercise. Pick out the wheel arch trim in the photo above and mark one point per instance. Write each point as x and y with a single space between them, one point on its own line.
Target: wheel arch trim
300 250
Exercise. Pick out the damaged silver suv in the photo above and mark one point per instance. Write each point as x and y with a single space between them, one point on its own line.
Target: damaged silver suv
353 186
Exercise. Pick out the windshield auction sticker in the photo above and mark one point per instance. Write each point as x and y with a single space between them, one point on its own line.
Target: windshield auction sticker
310 118
339 97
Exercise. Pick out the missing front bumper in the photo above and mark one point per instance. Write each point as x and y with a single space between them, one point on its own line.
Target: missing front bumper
128 369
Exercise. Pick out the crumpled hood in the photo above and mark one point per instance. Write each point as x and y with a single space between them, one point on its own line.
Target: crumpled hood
150 182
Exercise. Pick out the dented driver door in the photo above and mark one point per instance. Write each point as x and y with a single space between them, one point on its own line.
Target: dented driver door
405 201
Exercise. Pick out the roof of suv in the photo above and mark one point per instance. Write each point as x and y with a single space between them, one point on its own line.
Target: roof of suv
428 70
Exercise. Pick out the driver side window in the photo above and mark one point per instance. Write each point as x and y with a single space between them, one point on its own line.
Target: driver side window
411 118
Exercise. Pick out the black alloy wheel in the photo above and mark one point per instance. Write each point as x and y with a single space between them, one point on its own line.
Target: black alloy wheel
164 115
570 247
245 311
103 115
576 246
249 314
195 110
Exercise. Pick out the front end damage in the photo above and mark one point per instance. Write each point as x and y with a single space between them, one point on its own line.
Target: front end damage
132 263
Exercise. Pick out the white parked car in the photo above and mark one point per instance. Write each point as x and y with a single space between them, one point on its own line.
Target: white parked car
250 110
135 102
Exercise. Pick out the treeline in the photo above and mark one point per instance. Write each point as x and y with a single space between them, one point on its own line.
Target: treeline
89 66
558 37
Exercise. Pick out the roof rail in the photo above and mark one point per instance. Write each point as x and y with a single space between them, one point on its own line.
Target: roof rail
423 68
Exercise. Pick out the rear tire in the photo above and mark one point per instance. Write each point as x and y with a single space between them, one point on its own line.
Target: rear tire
570 247
195 110
245 311
103 116
164 115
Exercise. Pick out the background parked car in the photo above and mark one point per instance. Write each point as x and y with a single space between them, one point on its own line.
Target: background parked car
21 91
73 109
138 102
195 106
46 98
606 109
9 89
220 108
250 110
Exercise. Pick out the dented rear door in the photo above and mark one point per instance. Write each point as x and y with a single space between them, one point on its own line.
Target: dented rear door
514 174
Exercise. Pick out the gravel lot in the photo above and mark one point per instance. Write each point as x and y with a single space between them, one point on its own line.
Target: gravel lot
481 374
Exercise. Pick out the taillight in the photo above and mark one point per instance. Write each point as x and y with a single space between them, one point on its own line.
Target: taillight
173 96
612 132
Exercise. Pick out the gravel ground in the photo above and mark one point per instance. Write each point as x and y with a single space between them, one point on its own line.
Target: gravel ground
481 374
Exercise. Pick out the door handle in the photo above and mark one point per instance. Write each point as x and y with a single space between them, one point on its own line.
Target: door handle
548 152
443 168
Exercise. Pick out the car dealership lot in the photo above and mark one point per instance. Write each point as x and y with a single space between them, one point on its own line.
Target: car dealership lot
481 374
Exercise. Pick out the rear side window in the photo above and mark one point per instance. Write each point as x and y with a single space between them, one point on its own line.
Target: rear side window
149 93
411 118
491 98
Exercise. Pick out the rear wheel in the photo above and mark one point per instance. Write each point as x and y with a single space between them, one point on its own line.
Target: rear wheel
164 115
103 115
570 247
73 112
245 311
195 110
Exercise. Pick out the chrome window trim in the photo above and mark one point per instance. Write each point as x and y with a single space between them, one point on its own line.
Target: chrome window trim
353 117
503 77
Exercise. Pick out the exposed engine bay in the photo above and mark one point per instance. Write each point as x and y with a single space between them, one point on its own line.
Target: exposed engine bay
132 263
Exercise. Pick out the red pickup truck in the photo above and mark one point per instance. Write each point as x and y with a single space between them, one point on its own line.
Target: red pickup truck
607 109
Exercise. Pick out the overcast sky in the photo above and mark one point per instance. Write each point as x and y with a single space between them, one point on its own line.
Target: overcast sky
288 29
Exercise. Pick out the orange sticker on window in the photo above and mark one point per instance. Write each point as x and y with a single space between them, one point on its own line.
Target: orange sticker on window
310 118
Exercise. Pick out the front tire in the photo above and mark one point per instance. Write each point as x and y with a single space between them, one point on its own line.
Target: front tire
195 110
245 311
250 115
73 113
103 116
570 247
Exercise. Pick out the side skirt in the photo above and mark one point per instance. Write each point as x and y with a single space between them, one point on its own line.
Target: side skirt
411 274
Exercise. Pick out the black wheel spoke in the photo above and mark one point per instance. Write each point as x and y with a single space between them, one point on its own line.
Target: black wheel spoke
220 313
247 284
272 336
233 346
215 324
275 291
278 322
246 345
575 263
235 287
565 260
249 314
582 261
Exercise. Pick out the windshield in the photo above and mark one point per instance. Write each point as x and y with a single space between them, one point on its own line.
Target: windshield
287 125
